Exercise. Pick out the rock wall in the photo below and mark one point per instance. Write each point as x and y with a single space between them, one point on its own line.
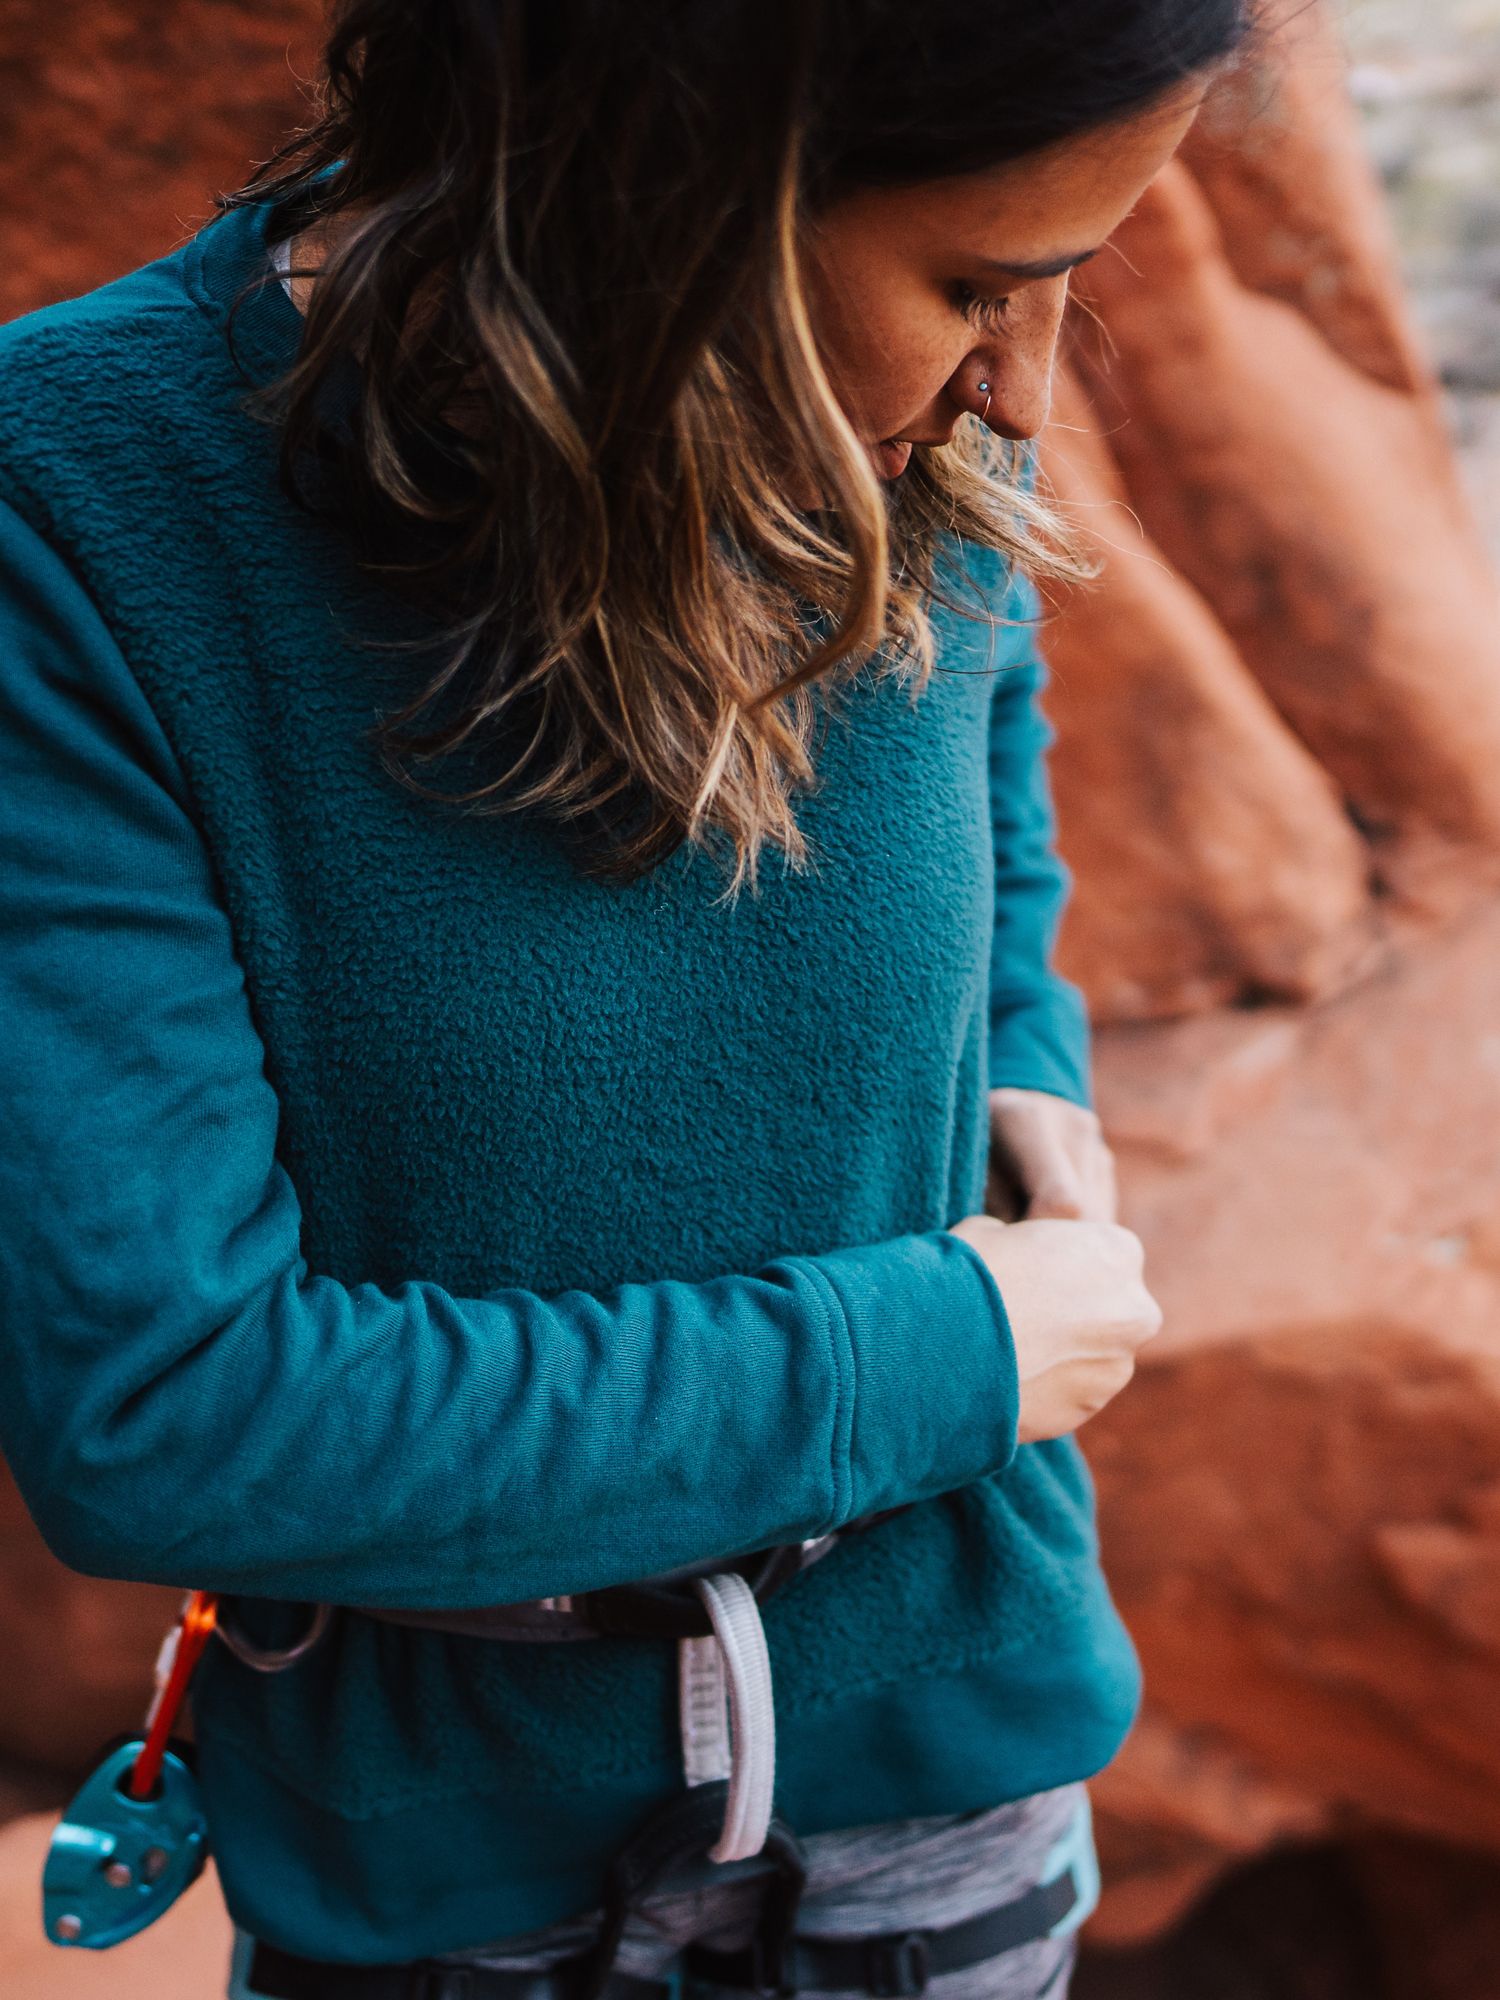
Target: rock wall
1300 1493
1278 774
1291 676
122 121
1281 713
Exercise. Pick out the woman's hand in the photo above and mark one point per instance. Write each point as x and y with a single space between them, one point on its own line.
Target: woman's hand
1048 1156
1078 1312
1070 1276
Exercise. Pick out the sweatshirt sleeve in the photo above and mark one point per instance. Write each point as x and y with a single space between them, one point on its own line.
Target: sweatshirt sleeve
1039 1028
185 1402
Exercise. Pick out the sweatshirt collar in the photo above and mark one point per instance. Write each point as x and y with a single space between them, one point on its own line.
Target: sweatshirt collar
240 285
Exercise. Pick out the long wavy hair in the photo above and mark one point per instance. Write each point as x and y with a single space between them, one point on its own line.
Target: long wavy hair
568 274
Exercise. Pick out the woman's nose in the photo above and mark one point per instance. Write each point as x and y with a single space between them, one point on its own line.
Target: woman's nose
1008 383
1014 401
973 388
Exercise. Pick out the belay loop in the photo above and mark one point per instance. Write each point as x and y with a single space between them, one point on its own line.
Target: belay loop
728 1716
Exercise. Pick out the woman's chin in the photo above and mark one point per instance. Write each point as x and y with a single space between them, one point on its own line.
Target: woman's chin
892 456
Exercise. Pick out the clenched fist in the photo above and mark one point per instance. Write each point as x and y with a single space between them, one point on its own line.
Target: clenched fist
1078 1308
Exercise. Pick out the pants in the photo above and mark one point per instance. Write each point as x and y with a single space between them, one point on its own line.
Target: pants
900 1875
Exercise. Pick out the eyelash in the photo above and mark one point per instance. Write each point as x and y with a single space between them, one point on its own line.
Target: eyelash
988 314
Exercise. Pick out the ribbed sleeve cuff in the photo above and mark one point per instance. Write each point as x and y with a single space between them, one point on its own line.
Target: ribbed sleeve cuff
935 1397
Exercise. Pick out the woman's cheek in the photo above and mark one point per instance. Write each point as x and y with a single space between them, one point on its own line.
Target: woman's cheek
913 379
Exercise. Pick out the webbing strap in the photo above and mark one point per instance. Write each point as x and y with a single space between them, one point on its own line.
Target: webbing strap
678 1832
280 1975
728 1717
894 1963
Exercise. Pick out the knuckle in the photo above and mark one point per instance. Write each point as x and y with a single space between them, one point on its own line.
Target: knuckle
1061 1202
1107 1384
1130 1243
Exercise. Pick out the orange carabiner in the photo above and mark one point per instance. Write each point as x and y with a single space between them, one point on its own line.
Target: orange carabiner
179 1656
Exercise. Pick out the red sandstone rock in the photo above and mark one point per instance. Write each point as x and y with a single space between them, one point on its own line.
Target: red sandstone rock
1284 449
1211 853
123 121
1177 1810
75 1654
1435 1916
1300 1491
1284 168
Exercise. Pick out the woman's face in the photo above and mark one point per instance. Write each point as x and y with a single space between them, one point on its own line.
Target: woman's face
920 294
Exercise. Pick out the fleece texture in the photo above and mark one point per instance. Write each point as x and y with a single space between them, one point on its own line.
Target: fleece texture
389 1214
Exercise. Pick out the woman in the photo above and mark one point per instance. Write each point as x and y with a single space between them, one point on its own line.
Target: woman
526 898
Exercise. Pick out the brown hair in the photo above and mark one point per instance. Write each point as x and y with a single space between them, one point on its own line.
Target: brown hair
567 265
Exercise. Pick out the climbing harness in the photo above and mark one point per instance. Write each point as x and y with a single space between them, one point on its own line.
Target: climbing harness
726 1714
778 1961
135 1837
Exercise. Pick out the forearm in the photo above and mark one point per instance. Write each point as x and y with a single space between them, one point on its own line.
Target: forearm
415 1449
185 1401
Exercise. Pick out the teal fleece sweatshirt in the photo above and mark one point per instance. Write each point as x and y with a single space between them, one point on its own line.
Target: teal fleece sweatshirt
391 1215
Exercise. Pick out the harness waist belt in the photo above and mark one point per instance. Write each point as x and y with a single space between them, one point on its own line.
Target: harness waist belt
711 1612
280 1976
895 1962
659 1607
890 1965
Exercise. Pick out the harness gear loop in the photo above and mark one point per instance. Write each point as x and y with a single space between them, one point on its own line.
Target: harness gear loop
267 1660
727 1716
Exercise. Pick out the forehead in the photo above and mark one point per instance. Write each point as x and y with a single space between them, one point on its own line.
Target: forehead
1048 207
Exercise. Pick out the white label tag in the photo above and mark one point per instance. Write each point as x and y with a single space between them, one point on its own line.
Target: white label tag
703 1703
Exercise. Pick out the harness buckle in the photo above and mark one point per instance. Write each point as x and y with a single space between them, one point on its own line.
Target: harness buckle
770 1966
897 1968
443 1982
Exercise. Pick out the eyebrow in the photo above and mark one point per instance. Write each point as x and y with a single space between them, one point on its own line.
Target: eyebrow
1052 267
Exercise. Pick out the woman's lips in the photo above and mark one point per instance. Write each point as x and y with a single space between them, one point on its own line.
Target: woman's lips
894 455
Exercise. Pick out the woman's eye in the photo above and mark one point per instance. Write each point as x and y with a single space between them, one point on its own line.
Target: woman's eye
988 314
